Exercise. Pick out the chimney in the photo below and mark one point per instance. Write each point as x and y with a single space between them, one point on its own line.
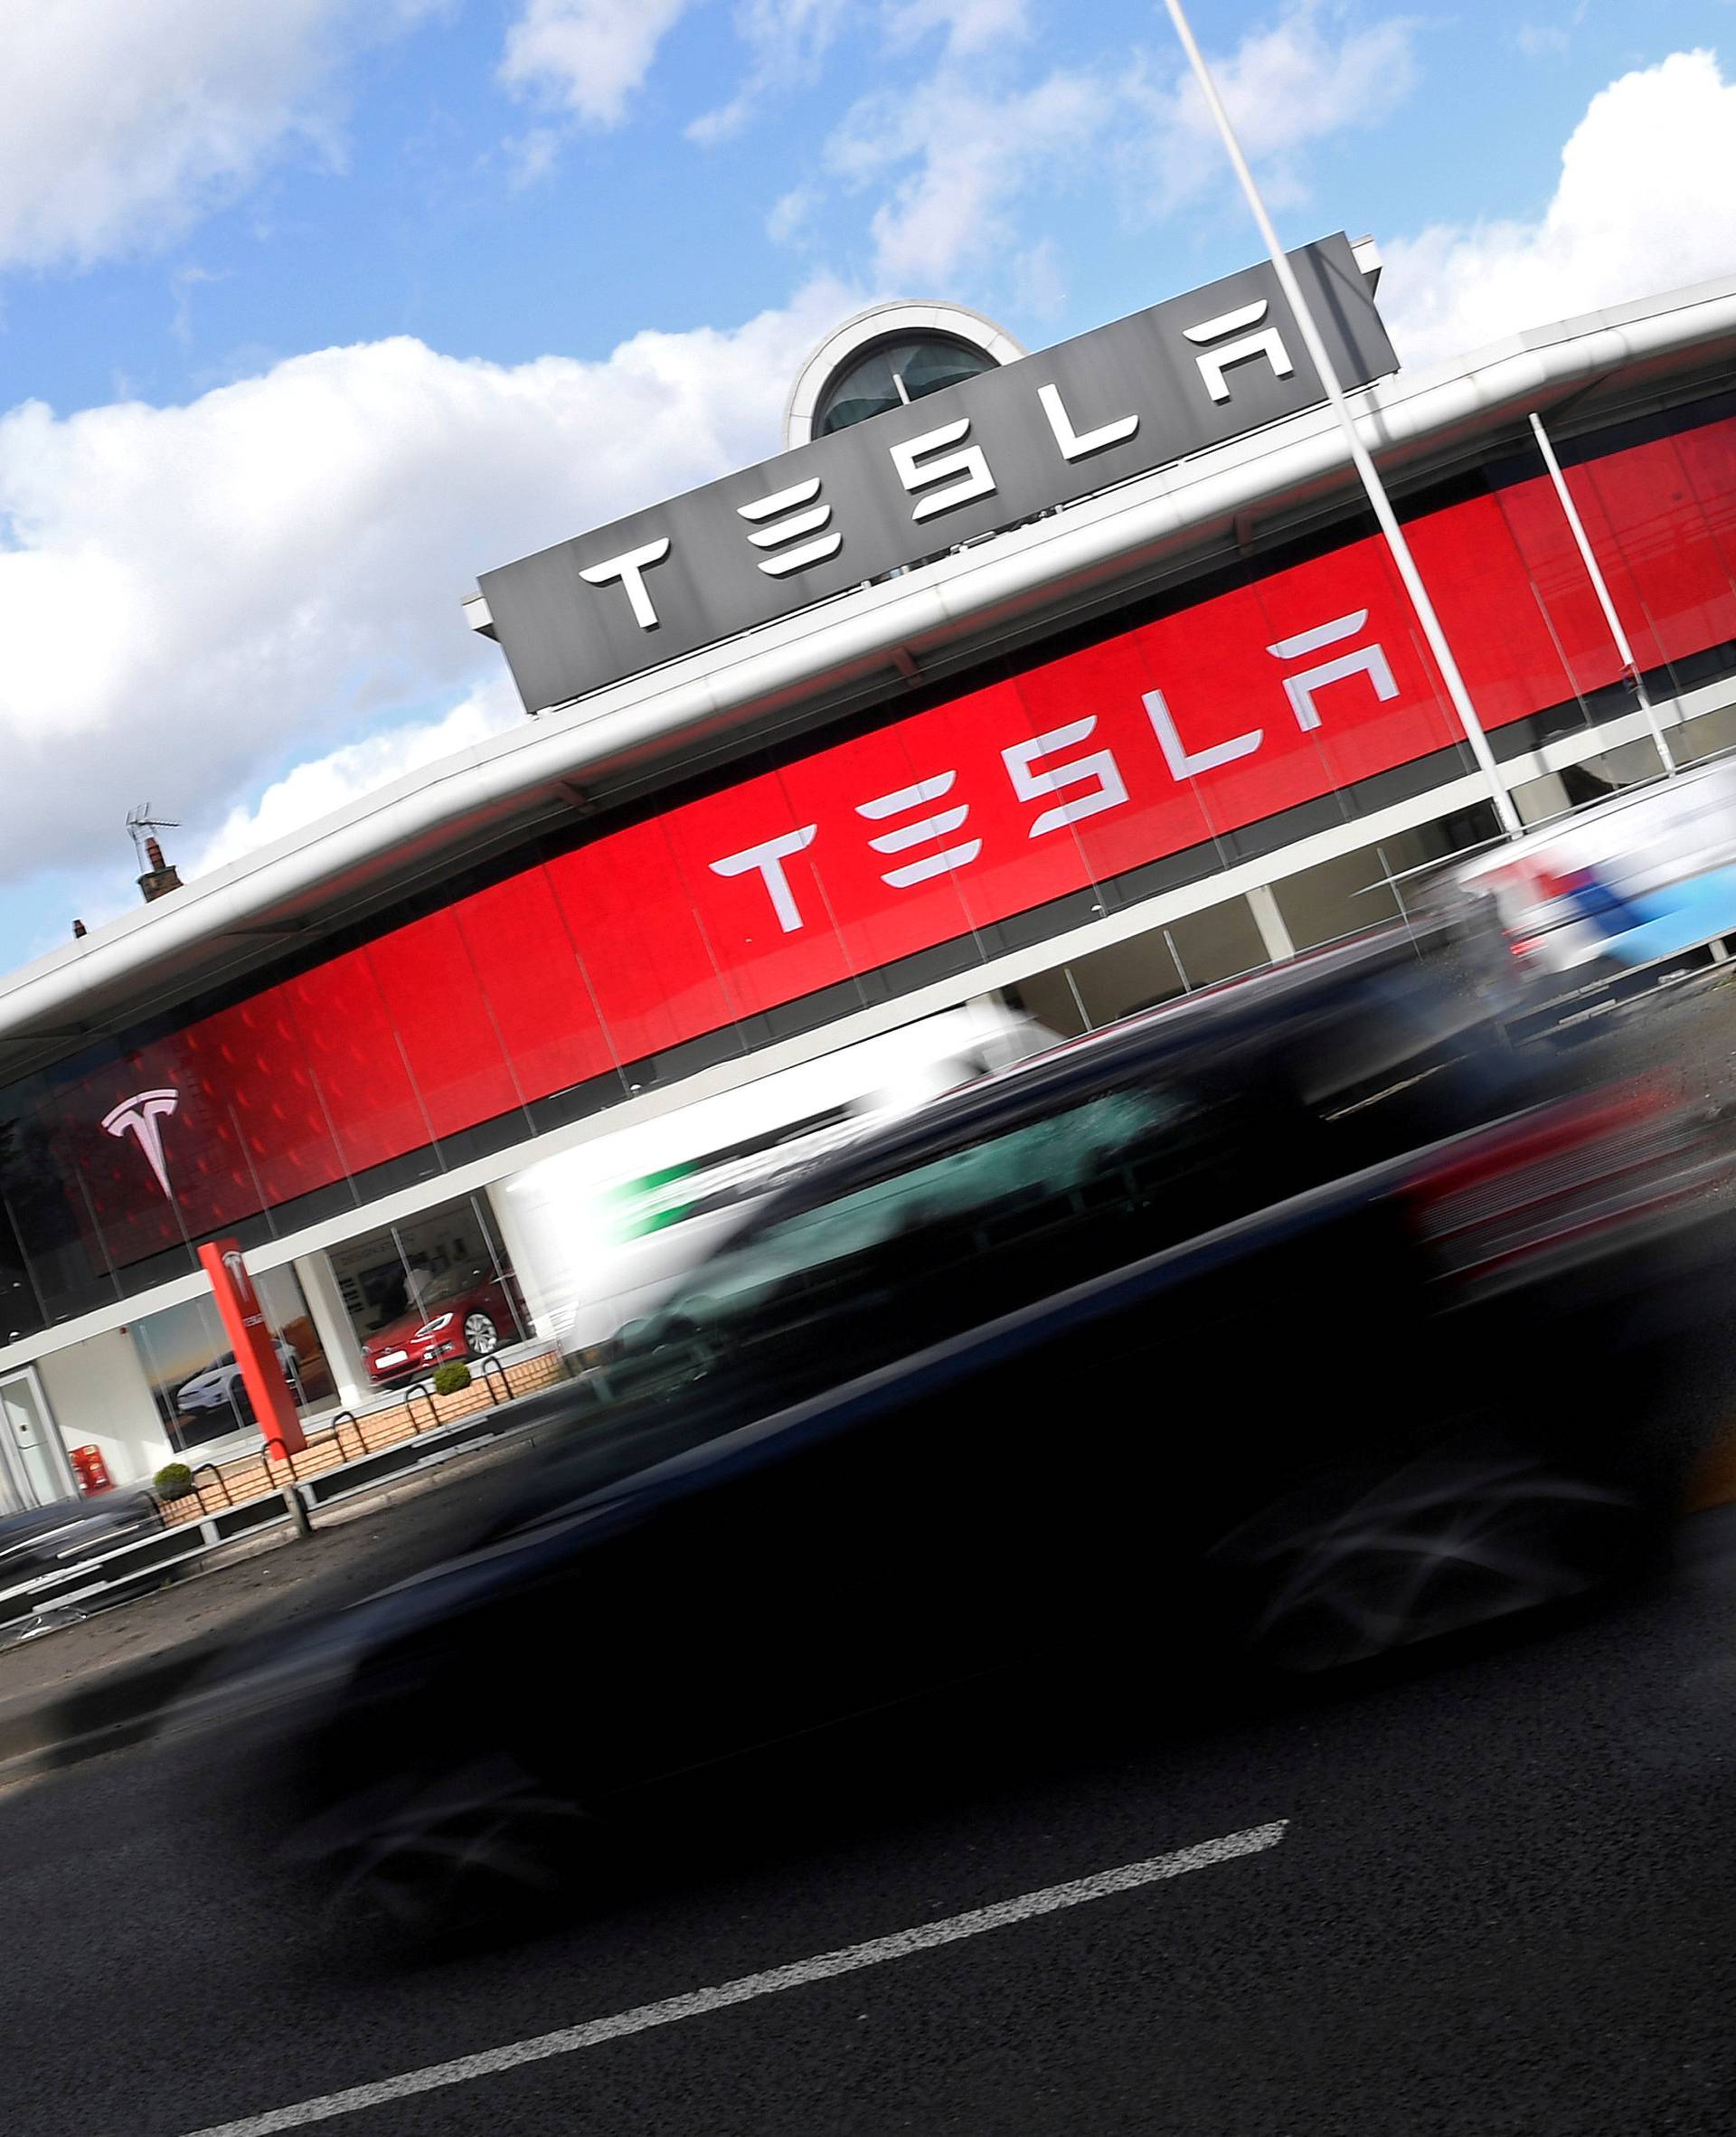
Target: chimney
160 878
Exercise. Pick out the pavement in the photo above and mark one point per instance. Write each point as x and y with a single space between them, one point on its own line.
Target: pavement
65 1694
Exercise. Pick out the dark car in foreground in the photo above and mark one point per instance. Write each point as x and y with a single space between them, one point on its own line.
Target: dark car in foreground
1304 1319
43 1541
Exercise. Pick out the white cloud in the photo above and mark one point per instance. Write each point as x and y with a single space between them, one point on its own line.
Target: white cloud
971 26
121 122
188 593
1038 284
1285 88
1551 41
1645 201
957 152
1542 41
531 156
789 213
586 57
787 39
957 159
322 785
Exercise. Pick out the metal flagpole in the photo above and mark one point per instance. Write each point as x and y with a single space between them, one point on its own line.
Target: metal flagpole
1377 497
1589 558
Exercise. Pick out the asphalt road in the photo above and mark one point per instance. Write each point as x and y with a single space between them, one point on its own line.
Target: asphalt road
1503 1898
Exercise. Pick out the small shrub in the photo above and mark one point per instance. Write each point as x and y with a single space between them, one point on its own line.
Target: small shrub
451 1378
172 1481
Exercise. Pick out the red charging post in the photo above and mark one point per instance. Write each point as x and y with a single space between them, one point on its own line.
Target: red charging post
251 1340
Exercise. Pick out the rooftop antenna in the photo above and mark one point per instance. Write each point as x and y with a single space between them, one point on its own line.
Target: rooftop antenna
156 876
142 824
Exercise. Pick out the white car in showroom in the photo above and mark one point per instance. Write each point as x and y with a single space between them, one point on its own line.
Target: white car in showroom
220 1384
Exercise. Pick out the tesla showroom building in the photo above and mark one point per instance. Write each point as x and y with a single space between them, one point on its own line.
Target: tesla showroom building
1068 681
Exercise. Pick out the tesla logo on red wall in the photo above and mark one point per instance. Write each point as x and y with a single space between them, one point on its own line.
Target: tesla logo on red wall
141 1117
1073 772
924 842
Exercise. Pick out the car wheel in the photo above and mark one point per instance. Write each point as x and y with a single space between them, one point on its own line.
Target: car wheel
482 1847
1450 1541
481 1337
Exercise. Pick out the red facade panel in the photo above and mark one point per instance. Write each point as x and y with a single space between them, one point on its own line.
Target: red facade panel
434 1005
652 972
847 875
948 821
533 983
1671 588
354 1062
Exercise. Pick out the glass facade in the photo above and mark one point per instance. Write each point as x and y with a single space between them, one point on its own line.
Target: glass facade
1286 697
194 1380
433 1286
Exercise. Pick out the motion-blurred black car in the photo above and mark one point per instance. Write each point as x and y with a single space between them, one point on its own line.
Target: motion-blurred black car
44 1540
1303 1313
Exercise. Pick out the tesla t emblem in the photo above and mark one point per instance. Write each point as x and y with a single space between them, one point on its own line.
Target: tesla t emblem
237 1269
141 1117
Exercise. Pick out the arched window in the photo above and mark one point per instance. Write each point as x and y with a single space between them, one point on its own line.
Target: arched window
893 375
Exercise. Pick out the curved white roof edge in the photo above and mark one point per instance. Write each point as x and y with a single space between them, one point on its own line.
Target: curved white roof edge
1096 540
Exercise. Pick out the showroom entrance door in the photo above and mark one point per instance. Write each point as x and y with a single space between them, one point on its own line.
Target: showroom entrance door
31 1472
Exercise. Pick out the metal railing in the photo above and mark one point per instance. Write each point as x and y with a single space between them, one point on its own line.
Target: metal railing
283 1455
417 1387
199 1489
347 1433
339 1420
116 1570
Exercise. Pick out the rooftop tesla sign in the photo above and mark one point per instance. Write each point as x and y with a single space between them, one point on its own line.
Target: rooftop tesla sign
914 481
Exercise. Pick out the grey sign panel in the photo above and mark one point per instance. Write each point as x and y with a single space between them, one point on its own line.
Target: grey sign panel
915 481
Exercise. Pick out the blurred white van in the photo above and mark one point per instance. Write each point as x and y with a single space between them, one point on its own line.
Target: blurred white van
602 1230
1628 882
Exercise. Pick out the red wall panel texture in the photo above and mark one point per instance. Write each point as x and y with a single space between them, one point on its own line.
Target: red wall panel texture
1084 766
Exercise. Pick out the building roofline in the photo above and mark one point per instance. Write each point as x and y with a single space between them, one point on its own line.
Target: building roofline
956 607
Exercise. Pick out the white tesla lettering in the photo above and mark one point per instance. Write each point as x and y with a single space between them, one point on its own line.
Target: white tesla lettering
1366 660
964 473
790 523
1214 363
142 1117
1098 770
237 1275
1077 445
942 824
1185 764
629 568
768 857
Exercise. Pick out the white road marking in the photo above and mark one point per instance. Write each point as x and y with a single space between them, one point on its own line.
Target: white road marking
1050 1900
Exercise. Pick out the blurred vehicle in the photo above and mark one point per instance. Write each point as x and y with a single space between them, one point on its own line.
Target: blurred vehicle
467 1311
612 1224
1627 883
220 1385
1302 1317
48 1539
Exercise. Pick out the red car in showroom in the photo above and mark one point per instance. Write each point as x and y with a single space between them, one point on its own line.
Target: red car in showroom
466 1312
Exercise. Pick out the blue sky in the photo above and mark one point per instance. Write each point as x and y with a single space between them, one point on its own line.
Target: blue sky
310 312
